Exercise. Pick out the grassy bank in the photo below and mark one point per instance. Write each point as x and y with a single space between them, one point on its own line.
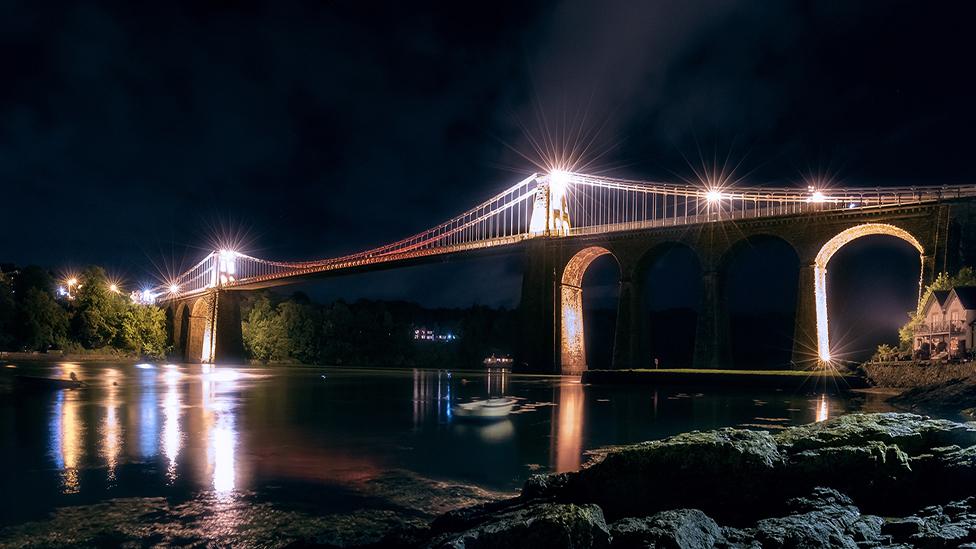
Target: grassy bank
772 379
72 356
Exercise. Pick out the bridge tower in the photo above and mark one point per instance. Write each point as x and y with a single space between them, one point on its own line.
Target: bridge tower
207 325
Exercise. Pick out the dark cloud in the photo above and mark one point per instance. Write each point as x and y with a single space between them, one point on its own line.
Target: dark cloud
127 130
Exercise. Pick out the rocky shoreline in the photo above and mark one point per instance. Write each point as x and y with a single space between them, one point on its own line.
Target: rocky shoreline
951 396
860 480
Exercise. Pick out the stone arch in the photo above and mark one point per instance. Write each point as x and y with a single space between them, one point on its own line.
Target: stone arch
766 340
736 247
181 330
645 337
572 341
828 250
199 336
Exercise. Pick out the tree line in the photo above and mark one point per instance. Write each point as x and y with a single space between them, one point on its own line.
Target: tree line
92 315
372 333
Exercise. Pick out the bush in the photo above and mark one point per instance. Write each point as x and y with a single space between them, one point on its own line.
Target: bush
885 353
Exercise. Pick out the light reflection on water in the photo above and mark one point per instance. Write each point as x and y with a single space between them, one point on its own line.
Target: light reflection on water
184 430
569 429
111 431
172 435
67 430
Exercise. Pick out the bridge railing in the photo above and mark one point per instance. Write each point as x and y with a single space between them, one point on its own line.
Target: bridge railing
576 204
599 204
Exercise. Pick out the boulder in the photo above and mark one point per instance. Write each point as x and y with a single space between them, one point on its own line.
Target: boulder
674 529
718 471
536 526
889 463
867 471
951 525
825 518
912 433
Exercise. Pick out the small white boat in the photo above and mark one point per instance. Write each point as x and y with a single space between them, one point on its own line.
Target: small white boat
493 408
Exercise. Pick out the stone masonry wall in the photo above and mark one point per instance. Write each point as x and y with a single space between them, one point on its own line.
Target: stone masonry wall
915 374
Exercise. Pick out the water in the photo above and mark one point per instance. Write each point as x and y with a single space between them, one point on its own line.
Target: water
252 452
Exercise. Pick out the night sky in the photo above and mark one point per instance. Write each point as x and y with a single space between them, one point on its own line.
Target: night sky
133 134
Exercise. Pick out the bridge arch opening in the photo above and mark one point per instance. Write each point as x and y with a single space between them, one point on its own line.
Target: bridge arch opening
573 336
181 332
668 279
759 277
824 350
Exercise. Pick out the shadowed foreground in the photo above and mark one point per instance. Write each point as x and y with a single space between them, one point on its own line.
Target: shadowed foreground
823 484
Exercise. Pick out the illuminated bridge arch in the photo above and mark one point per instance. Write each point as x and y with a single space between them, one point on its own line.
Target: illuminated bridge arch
827 252
573 345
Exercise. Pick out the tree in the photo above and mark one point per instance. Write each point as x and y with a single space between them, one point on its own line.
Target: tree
300 326
264 336
43 323
8 312
143 330
98 311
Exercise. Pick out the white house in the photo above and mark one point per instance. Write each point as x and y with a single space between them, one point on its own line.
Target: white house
947 330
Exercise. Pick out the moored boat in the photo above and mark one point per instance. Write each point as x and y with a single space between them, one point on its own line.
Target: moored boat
46 383
491 409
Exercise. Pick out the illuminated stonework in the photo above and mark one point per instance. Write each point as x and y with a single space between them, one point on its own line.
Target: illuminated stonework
820 271
573 347
550 210
200 340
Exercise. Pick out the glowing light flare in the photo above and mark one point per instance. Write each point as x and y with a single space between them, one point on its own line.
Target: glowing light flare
820 289
714 196
817 197
550 210
558 182
174 288
228 261
114 288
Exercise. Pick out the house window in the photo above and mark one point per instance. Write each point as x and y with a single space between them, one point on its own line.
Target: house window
954 316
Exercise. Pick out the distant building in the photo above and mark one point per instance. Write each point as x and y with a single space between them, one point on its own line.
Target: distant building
423 334
947 329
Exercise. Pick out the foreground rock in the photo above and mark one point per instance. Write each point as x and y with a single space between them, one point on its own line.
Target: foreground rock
952 395
821 485
888 463
534 526
677 528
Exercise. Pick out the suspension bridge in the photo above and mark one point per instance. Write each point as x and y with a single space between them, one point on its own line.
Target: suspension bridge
578 217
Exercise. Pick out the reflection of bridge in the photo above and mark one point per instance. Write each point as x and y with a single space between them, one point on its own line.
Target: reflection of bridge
566 220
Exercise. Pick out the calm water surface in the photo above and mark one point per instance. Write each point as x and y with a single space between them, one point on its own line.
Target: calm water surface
326 440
